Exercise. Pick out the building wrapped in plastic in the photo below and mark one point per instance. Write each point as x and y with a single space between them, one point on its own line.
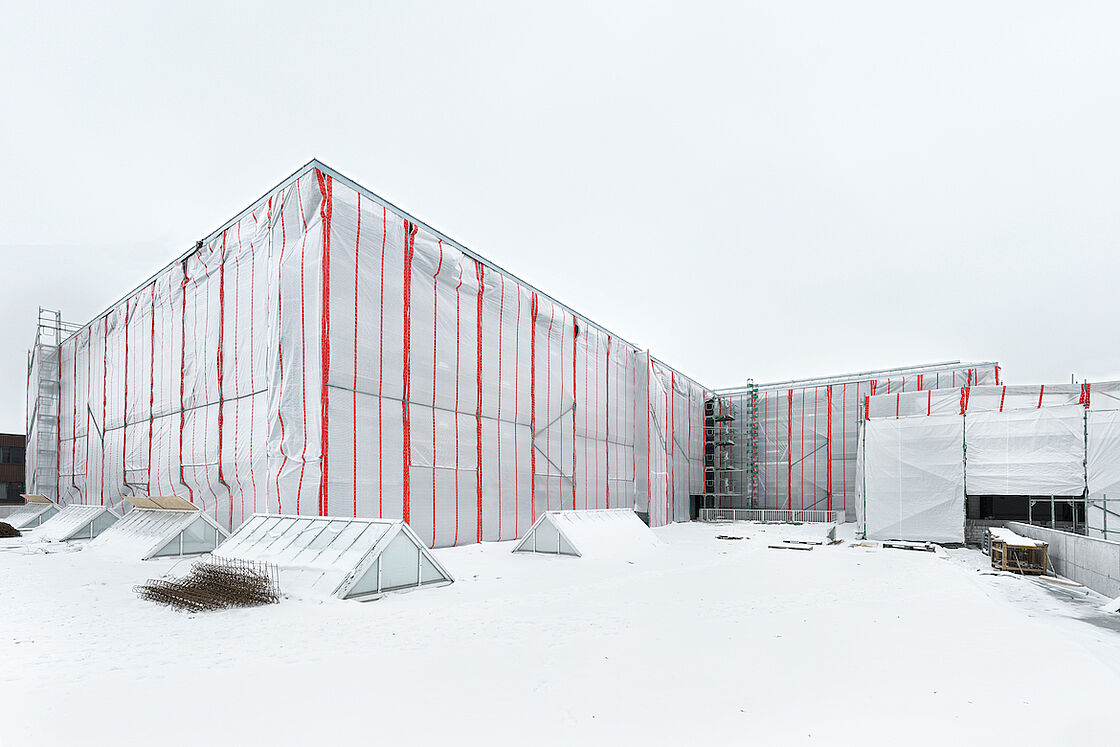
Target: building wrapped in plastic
326 354
804 432
924 456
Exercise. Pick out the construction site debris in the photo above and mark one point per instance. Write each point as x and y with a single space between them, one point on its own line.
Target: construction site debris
918 546
214 584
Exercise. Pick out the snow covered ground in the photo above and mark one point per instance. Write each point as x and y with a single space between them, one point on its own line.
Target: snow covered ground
699 640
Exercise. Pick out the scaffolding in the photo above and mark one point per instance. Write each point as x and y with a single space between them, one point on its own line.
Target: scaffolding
43 398
731 451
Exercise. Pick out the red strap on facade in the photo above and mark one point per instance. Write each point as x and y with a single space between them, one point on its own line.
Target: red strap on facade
480 272
302 348
965 391
1002 396
866 407
575 334
516 419
649 451
124 417
381 369
105 398
533 310
220 367
498 426
406 382
151 395
354 387
279 348
435 340
458 365
929 402
897 404
997 374
1041 389
828 449
789 450
608 431
326 211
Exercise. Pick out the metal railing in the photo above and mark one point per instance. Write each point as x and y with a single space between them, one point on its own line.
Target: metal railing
777 515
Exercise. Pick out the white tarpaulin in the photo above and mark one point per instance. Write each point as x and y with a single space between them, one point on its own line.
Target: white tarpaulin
326 354
914 479
1102 466
1038 451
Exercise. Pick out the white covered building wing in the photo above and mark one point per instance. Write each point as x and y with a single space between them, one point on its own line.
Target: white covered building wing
1038 440
325 353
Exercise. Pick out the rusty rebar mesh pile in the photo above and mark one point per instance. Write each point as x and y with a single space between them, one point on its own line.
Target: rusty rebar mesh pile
215 584
7 530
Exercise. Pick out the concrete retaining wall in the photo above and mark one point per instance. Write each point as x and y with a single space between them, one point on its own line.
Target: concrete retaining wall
1086 560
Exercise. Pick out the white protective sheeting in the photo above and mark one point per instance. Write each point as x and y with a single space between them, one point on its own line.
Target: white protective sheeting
348 558
1038 451
914 479
808 429
77 522
326 354
146 533
601 533
1102 467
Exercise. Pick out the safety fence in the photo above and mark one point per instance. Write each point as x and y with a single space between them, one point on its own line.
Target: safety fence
773 515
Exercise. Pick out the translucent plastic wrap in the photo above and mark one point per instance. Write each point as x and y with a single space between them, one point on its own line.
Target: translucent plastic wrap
913 471
808 429
326 354
1037 440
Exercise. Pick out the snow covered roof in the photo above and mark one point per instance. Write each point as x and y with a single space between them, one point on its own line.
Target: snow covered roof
348 558
37 510
75 522
160 532
599 532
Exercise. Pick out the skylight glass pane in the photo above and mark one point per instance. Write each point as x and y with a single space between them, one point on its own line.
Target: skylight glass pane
565 548
400 564
198 537
282 547
365 541
305 537
429 574
274 540
547 537
171 548
329 534
367 584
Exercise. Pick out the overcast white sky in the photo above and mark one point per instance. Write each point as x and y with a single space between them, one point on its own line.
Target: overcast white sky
762 190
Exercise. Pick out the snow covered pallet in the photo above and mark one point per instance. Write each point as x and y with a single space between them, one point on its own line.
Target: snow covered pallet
358 559
77 522
905 545
38 509
160 527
